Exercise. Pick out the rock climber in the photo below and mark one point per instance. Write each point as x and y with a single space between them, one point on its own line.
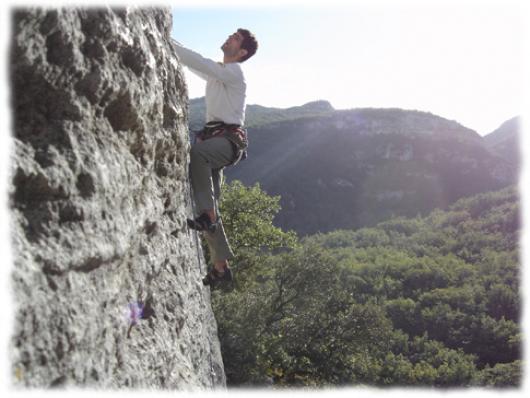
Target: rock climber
222 141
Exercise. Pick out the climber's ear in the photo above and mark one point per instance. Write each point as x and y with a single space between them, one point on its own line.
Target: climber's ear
242 52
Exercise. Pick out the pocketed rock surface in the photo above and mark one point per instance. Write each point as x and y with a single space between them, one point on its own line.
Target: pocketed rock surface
99 195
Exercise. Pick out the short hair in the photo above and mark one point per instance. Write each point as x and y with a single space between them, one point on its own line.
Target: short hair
249 43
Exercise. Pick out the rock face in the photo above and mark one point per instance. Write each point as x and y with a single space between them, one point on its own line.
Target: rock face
98 197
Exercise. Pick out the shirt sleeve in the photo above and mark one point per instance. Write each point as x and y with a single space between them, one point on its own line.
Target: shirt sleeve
206 67
200 74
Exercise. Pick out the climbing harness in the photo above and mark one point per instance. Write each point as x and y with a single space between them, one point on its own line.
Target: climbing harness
233 132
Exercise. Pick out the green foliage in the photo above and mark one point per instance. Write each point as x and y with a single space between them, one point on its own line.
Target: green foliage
502 301
317 327
453 367
428 301
501 375
419 362
248 214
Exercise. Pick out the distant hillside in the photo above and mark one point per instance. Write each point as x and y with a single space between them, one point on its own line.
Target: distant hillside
505 141
257 115
354 168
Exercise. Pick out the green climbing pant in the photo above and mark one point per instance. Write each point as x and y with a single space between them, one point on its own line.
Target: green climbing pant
207 160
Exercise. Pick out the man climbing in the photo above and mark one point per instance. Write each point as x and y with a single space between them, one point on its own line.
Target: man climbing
222 142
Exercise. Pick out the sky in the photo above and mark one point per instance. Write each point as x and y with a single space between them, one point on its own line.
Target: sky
459 60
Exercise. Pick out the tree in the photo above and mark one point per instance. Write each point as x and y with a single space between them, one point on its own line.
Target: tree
248 213
501 375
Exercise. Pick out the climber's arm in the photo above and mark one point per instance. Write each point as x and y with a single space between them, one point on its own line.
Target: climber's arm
205 67
177 47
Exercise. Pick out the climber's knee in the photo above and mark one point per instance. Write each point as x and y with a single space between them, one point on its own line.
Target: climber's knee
197 154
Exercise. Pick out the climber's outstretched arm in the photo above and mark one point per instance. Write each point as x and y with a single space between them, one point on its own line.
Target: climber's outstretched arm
205 67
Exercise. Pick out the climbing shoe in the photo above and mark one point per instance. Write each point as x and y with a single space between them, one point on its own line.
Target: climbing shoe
202 223
214 277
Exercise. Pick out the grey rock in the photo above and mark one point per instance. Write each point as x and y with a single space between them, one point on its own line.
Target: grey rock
99 194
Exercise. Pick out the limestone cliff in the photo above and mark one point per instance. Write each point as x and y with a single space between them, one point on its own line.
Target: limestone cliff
98 197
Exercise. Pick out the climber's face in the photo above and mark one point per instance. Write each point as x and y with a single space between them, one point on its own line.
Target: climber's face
232 47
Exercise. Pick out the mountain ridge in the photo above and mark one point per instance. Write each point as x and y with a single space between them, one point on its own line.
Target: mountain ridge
321 107
505 141
354 168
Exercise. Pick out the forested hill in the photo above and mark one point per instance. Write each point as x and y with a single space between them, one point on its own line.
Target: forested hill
355 168
432 301
505 141
453 275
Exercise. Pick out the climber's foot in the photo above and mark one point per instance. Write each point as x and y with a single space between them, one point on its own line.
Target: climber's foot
202 223
214 276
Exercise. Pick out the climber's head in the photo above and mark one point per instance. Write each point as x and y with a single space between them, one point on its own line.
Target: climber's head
239 46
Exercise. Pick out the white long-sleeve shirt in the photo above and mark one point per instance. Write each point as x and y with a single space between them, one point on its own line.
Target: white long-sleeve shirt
225 86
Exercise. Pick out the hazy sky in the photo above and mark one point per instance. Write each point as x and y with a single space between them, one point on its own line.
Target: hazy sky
459 60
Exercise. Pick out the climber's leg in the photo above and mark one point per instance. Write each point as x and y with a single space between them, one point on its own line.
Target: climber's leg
205 156
220 250
207 160
218 242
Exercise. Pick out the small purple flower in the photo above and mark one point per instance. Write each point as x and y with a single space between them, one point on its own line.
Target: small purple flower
135 312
